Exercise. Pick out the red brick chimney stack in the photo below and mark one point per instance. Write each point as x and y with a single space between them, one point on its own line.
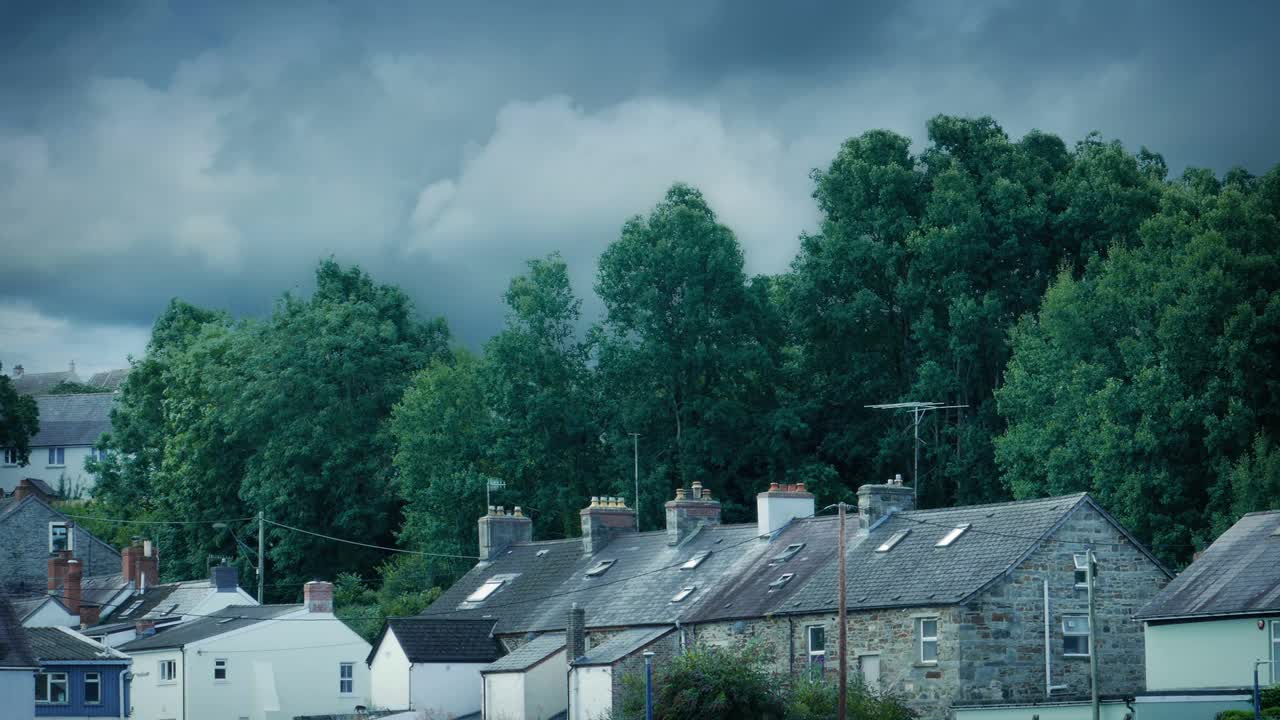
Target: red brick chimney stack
318 596
140 564
71 588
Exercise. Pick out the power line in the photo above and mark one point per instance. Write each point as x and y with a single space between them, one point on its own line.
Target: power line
370 545
1093 543
123 521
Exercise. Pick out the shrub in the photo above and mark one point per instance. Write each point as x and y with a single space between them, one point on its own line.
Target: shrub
816 700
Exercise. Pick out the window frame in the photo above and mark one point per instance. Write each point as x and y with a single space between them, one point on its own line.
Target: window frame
10 457
893 540
816 660
781 582
1087 635
163 678
1081 576
49 682
225 668
601 567
953 535
923 640
485 591
95 679
68 543
1275 651
60 455
683 593
350 679
696 559
788 552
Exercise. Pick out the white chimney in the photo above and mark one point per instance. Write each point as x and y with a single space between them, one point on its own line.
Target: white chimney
780 504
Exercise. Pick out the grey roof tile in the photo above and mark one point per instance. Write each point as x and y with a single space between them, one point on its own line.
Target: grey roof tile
67 420
528 655
59 643
426 640
38 383
622 645
15 649
111 379
1238 574
232 617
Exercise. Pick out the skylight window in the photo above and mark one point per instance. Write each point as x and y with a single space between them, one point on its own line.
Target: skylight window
788 553
894 539
951 535
684 593
129 610
600 568
482 593
696 560
782 580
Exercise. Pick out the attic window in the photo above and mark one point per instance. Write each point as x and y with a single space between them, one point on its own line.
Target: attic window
894 539
224 621
782 580
951 535
788 553
684 593
542 553
482 593
129 610
696 560
600 568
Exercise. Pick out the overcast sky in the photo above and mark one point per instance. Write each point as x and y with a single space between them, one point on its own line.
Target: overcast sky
216 151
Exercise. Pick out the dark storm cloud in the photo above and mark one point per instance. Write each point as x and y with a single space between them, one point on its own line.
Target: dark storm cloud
216 151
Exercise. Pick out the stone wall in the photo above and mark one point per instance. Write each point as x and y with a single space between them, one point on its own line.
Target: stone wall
24 549
664 649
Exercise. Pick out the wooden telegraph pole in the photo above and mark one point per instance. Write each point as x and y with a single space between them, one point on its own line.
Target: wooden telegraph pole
842 614
1093 645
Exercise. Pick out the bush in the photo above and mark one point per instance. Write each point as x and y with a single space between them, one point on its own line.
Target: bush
816 700
1271 697
1268 713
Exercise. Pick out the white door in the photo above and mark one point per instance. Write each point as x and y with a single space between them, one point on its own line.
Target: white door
870 665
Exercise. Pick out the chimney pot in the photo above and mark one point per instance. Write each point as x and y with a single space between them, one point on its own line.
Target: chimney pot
773 487
680 493
318 596
517 512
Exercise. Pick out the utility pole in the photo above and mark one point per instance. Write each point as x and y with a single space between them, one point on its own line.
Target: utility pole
635 453
842 615
262 556
1093 645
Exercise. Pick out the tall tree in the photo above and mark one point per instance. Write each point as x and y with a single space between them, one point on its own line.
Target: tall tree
19 420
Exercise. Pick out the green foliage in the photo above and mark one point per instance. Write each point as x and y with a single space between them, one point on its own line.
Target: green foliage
811 699
19 420
66 387
1149 380
1267 712
708 683
399 594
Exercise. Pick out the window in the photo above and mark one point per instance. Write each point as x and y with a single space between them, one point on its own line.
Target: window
59 537
600 568
93 688
99 454
789 552
1275 651
1075 635
1082 571
11 456
893 540
696 560
484 591
817 648
168 670
51 688
220 670
57 457
346 678
782 580
927 632
684 593
951 535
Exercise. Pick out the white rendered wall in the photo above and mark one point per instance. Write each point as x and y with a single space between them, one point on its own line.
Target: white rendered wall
51 614
774 511
504 696
546 688
591 692
39 467
1208 654
152 699
445 690
389 674
16 686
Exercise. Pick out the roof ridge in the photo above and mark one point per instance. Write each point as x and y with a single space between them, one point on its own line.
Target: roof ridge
1004 503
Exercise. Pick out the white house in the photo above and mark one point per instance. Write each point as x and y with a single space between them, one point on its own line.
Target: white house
529 684
431 665
69 427
18 667
270 662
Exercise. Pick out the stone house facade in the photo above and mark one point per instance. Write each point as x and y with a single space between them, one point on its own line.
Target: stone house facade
30 529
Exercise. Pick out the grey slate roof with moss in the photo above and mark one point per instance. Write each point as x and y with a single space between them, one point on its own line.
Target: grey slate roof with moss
232 617
15 649
67 420
623 645
39 383
57 644
528 655
428 640
1239 574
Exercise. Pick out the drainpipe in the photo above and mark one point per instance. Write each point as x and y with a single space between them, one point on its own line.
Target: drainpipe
120 697
791 646
1049 687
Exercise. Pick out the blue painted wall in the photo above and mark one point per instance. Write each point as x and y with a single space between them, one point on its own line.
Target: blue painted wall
110 705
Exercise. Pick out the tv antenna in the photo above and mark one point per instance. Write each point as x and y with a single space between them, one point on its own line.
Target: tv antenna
492 484
917 410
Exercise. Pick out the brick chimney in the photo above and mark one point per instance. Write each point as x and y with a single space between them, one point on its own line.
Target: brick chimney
89 615
140 564
690 511
57 576
781 504
877 501
576 633
71 586
27 487
604 519
145 628
318 596
498 530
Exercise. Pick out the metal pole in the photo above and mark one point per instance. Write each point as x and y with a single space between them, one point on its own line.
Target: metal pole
262 557
842 615
1093 645
915 472
648 685
635 451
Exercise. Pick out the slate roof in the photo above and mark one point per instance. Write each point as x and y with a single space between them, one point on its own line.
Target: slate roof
110 379
427 640
38 383
72 419
528 655
64 644
101 590
25 605
1239 574
232 617
622 645
15 649
916 573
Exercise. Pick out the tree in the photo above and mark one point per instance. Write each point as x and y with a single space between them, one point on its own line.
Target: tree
686 353
19 420
1149 378
66 387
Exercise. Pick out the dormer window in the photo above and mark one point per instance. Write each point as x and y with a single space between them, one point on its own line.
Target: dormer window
894 539
781 581
483 592
696 560
600 568
952 535
684 593
788 553
59 536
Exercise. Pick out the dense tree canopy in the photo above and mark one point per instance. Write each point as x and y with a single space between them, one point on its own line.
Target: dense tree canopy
19 420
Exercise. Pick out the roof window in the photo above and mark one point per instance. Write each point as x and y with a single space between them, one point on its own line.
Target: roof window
788 553
951 535
894 539
782 580
696 560
482 593
129 610
684 593
600 568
